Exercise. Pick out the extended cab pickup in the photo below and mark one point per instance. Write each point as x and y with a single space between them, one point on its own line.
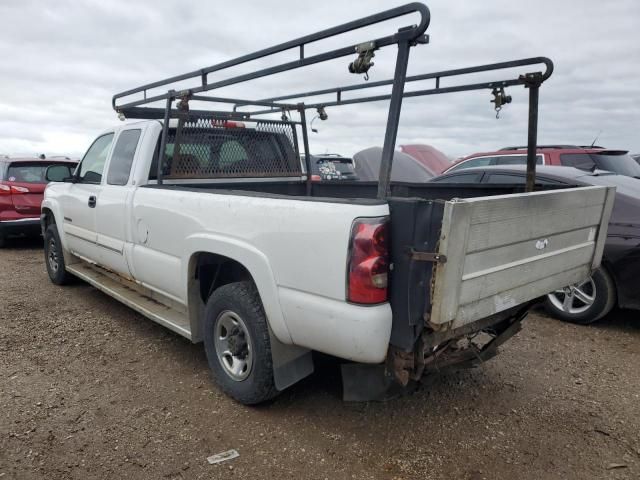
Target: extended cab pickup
207 223
244 265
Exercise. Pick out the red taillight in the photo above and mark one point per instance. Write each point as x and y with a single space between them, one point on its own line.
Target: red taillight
368 266
15 189
5 189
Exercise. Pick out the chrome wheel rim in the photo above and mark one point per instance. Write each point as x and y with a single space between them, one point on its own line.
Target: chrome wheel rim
52 255
575 299
233 345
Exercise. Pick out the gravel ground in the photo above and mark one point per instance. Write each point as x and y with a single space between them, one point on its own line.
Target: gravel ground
90 389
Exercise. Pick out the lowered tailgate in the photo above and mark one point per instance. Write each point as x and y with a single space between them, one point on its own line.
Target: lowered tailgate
505 250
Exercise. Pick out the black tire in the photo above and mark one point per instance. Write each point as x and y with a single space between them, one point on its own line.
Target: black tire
54 257
605 299
3 240
242 300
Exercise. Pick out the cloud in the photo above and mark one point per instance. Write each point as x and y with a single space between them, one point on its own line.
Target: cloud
64 61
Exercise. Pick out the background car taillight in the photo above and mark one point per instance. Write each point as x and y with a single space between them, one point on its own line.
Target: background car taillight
9 189
368 264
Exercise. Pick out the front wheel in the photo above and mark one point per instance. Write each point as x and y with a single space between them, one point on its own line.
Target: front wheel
236 340
54 257
584 302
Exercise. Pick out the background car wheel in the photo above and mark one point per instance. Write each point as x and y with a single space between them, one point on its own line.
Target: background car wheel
585 302
236 340
53 256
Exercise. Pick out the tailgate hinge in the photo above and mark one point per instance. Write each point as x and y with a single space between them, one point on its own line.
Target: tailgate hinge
427 256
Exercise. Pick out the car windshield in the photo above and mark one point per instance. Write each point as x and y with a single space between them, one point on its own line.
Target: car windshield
621 163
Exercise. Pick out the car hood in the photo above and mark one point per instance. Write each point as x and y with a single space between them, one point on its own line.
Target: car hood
405 168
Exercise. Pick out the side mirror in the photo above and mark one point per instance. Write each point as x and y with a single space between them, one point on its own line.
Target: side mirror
59 173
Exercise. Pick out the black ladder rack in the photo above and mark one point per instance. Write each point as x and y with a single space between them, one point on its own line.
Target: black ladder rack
405 38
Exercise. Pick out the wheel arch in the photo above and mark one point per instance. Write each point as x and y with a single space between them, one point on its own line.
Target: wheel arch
51 215
47 218
211 261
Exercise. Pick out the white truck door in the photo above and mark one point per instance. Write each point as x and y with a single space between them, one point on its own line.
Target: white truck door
112 209
79 223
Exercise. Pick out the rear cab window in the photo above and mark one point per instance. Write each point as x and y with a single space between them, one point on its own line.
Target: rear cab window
122 157
227 153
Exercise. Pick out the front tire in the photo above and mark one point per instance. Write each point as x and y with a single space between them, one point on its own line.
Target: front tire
54 257
585 302
236 340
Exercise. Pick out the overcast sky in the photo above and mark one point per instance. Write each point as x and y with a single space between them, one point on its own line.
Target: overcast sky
62 61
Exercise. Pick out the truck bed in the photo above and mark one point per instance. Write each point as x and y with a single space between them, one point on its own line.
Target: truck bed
515 247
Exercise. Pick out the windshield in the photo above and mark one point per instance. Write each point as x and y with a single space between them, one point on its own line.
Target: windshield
621 163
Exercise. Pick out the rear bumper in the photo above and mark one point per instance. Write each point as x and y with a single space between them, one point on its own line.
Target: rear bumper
338 328
23 226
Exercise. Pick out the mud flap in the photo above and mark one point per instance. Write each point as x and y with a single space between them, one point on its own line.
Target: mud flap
290 362
364 382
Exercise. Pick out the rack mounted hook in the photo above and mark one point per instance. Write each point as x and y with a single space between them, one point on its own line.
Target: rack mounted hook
363 63
500 98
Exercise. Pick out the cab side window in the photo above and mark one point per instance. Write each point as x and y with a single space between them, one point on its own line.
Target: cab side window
122 157
93 162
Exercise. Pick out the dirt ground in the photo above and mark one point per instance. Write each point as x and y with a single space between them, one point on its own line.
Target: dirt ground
90 389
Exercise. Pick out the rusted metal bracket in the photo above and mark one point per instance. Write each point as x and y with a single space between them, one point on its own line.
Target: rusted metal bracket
427 256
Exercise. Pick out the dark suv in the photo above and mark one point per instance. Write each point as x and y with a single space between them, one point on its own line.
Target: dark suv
584 158
22 184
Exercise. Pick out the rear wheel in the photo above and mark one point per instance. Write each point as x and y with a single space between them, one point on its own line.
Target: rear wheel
236 340
2 240
53 256
584 302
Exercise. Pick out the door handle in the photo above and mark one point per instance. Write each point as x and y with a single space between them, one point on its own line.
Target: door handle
92 201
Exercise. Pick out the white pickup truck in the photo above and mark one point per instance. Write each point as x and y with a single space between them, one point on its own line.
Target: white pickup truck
241 266
233 247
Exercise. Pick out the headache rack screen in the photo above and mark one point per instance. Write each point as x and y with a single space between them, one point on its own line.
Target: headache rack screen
219 149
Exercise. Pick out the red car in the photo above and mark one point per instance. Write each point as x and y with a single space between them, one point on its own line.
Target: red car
584 158
22 184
